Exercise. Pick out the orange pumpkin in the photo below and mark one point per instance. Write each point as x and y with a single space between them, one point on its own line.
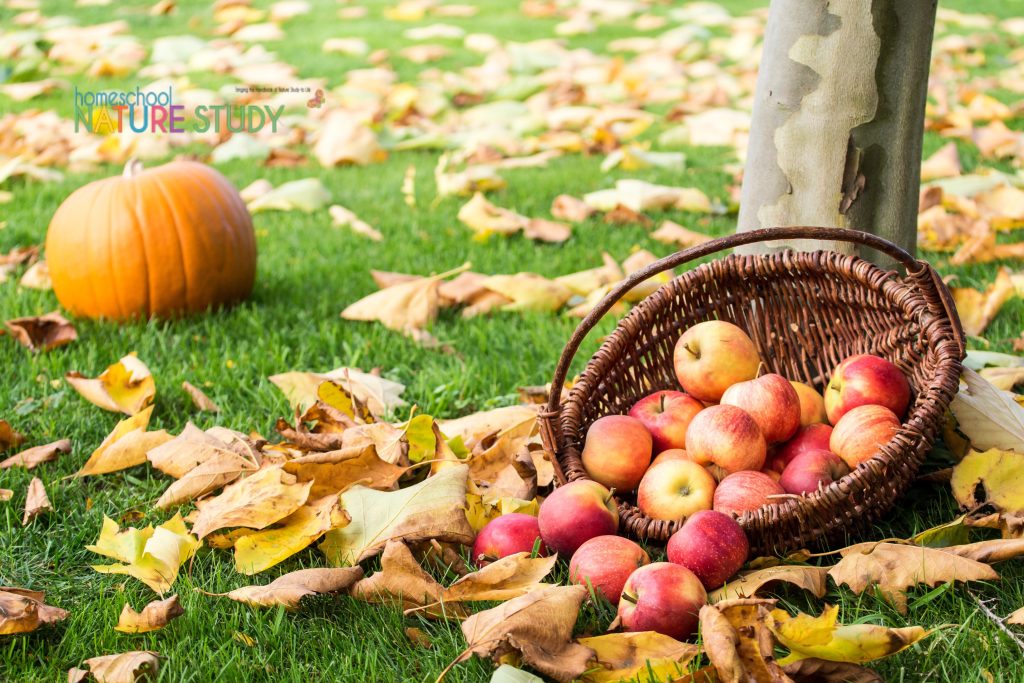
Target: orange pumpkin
167 241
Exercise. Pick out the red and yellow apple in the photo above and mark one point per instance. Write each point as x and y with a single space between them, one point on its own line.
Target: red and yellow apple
866 380
861 432
662 597
574 513
744 491
710 544
506 535
605 562
813 437
666 415
810 470
728 437
670 454
617 451
812 404
674 489
773 403
712 356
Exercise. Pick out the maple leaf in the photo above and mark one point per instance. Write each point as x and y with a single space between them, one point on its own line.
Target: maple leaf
258 551
152 556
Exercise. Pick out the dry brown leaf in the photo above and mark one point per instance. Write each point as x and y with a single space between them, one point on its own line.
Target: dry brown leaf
127 386
647 654
538 626
503 579
6 495
994 550
418 637
484 218
23 611
1005 203
36 501
462 289
9 437
747 584
261 499
623 215
568 208
892 568
288 590
31 457
673 233
202 462
153 616
1016 618
403 307
124 447
401 579
200 400
344 138
260 550
738 642
342 217
42 332
127 667
978 309
814 670
544 230
335 471
945 163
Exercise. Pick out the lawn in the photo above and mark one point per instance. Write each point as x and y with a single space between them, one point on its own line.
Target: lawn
308 272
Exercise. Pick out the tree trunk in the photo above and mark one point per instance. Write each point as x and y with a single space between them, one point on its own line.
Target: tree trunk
838 117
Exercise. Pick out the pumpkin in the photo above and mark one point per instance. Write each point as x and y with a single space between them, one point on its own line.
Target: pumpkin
167 241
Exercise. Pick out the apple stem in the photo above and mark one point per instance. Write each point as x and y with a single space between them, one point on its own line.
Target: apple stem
611 493
628 598
695 354
661 403
760 367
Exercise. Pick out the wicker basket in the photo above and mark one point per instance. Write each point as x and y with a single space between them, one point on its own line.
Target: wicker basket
806 311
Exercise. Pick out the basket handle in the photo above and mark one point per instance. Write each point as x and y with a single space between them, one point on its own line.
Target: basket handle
914 267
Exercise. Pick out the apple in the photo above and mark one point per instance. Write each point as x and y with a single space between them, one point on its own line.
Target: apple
605 562
670 454
710 544
812 404
662 597
617 451
866 380
812 469
860 433
575 513
813 437
674 489
507 535
712 356
728 437
772 473
773 403
743 491
666 415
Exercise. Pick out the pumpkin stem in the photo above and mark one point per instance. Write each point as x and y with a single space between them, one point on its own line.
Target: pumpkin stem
132 168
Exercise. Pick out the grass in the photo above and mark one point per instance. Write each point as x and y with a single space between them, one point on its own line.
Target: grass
308 271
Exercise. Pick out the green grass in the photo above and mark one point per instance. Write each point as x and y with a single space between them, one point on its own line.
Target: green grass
308 272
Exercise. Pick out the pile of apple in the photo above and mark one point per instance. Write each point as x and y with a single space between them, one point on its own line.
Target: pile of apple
730 442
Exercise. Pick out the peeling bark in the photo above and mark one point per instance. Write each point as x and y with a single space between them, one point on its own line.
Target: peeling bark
838 118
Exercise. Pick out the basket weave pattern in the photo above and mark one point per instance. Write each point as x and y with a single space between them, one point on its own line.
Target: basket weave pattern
805 311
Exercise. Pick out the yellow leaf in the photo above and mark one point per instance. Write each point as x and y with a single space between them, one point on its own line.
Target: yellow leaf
529 292
1015 618
153 616
256 552
344 138
200 400
944 163
991 419
402 580
335 471
337 397
484 218
991 477
32 457
264 497
1004 379
584 282
378 394
288 590
737 641
481 509
432 509
748 584
126 667
648 655
202 462
124 447
822 637
503 579
152 556
127 386
978 309
23 611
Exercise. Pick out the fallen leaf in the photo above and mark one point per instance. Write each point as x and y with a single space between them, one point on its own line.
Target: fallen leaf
737 641
402 580
944 163
37 276
152 556
9 437
529 292
380 395
812 670
127 386
747 584
42 333
891 569
403 307
432 509
568 208
344 138
342 217
978 309
585 282
306 195
126 667
6 495
484 218
124 447
484 508
991 478
255 502
623 215
544 230
673 233
988 417
625 656
538 626
23 611
418 637
202 462
36 501
823 638
1005 203
1015 618
993 550
288 590
503 579
32 457
153 616
259 551
335 471
200 400
1004 379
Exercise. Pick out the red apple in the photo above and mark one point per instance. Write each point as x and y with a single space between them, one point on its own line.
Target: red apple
670 454
743 491
617 451
575 513
710 544
728 437
811 470
674 489
506 535
605 562
866 380
773 403
662 597
813 437
860 433
666 415
712 356
812 405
